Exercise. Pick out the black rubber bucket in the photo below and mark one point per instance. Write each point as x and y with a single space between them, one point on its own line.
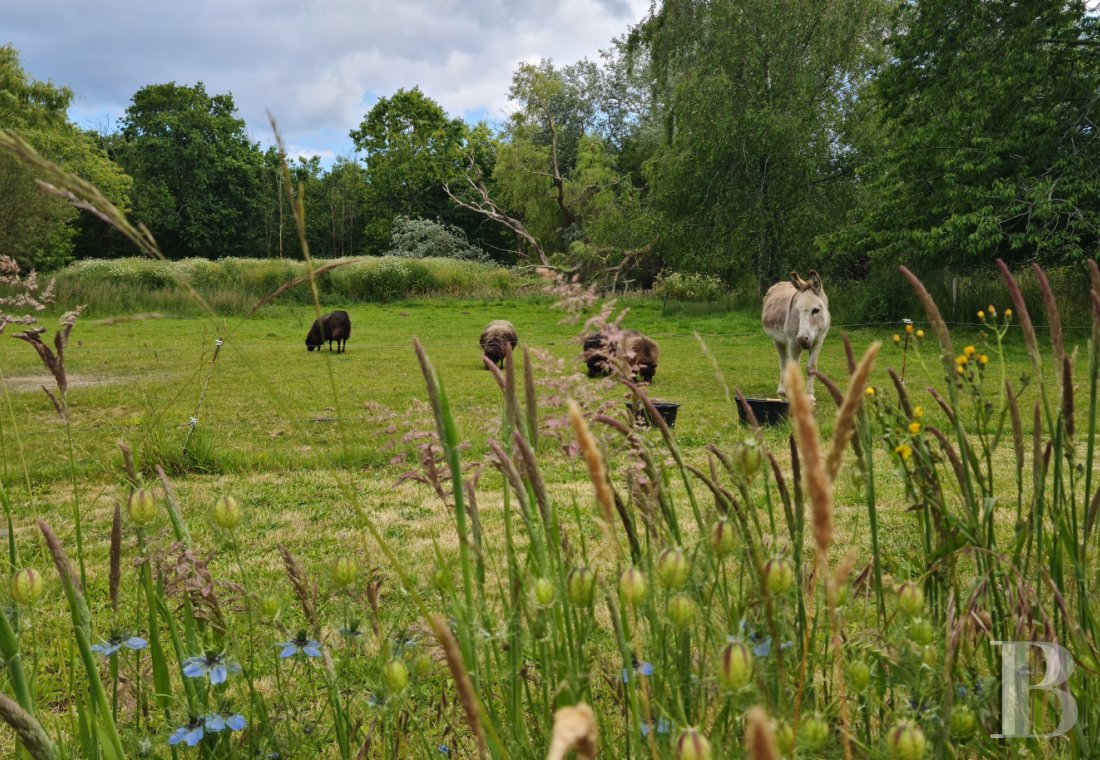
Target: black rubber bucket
666 409
768 411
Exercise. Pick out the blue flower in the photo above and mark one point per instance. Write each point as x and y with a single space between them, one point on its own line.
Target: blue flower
220 721
761 644
300 645
443 749
641 668
663 727
113 644
192 733
211 664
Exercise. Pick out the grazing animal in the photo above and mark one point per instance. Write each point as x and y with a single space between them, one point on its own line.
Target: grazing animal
796 318
640 353
331 327
497 340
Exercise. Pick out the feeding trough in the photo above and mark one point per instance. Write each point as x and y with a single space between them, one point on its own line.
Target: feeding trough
768 411
666 409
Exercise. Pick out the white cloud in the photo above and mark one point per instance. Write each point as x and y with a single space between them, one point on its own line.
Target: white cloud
316 66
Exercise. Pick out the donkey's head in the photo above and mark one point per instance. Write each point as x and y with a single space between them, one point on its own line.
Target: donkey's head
811 309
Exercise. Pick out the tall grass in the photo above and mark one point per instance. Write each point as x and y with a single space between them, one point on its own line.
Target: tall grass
234 285
670 609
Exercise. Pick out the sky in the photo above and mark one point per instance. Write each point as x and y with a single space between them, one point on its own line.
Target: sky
316 65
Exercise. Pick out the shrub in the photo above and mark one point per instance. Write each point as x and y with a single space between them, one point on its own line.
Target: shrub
690 286
416 238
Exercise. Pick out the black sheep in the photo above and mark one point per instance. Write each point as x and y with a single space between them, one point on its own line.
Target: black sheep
331 327
498 338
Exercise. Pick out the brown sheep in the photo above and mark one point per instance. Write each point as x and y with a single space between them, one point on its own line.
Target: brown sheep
497 339
640 353
331 327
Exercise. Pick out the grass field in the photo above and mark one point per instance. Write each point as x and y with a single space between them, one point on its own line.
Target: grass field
271 433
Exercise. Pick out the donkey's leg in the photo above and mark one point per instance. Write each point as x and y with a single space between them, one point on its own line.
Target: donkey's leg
811 366
781 349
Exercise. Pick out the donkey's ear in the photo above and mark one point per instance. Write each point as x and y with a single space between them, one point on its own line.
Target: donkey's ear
815 281
798 282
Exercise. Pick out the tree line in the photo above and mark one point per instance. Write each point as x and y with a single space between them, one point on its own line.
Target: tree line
738 138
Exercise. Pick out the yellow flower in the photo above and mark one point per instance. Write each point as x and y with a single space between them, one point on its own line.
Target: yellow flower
1008 313
992 310
909 329
918 411
870 391
920 333
981 315
914 428
983 360
960 369
904 451
897 338
969 351
961 359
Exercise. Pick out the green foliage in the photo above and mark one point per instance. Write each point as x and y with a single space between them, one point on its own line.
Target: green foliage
680 286
196 173
37 229
991 148
759 96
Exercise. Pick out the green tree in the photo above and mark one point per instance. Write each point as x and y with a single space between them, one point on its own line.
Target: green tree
36 229
196 174
411 148
990 113
756 97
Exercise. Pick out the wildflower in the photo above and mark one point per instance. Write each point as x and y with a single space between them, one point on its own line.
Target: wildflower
351 630
870 391
300 645
961 359
227 513
663 727
216 722
142 507
909 329
914 428
27 586
443 749
918 411
1008 313
904 451
992 310
920 333
191 734
897 338
116 642
907 742
960 370
981 315
641 668
983 360
211 664
969 351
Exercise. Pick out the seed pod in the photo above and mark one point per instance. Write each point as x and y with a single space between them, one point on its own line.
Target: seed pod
344 571
442 580
692 745
722 538
859 675
673 568
963 721
910 599
27 587
422 665
778 575
396 676
142 507
734 665
544 592
747 458
784 738
633 586
930 656
681 611
269 606
227 513
907 742
920 632
581 586
813 732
